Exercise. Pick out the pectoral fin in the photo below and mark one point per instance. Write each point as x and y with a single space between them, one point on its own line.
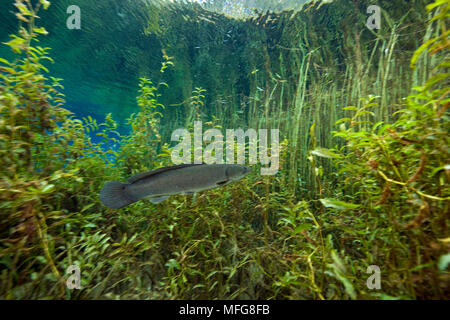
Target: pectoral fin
158 199
221 183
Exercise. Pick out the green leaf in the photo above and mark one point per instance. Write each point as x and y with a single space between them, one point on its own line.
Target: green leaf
4 61
383 296
48 188
17 44
325 153
311 130
302 227
23 9
435 4
433 80
40 30
444 261
87 207
338 268
45 3
419 51
10 70
172 263
337 204
436 170
41 259
90 225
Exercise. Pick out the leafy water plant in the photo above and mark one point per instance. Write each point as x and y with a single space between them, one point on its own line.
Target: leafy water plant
398 173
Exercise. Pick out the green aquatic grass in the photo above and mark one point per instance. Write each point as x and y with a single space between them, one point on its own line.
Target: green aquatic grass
376 193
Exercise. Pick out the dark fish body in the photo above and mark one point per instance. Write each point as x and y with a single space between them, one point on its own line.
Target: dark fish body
159 184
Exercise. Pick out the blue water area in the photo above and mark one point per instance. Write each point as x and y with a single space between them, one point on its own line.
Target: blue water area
84 109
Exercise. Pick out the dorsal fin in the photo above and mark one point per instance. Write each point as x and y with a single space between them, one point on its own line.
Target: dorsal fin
147 174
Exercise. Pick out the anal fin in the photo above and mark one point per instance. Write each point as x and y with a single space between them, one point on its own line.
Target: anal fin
158 199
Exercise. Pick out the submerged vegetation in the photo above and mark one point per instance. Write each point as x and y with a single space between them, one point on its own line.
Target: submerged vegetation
359 185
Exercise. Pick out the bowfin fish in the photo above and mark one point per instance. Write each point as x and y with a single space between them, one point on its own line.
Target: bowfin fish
160 184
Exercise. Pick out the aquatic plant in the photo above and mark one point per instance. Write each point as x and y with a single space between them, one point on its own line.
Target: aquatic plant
397 174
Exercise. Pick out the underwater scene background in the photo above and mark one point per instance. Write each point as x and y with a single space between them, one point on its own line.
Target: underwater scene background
358 208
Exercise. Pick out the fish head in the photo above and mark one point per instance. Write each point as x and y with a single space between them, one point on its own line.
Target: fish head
235 172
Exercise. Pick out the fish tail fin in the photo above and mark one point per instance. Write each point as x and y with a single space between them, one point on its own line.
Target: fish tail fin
114 196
